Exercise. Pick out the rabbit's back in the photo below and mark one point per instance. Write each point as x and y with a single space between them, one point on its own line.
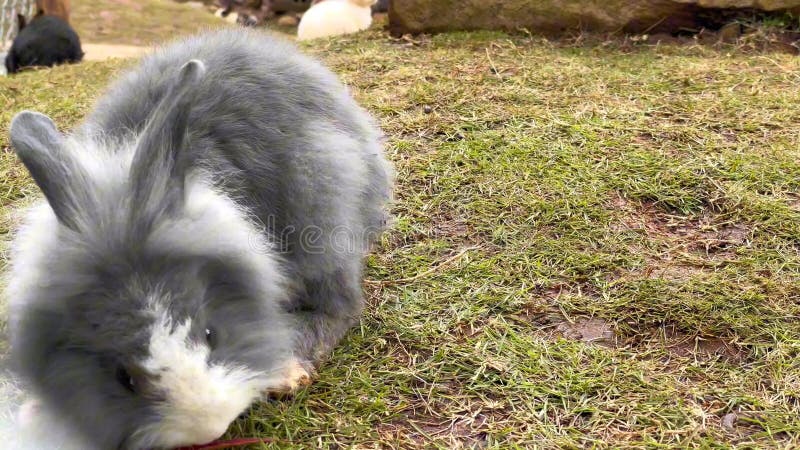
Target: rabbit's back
249 73
276 130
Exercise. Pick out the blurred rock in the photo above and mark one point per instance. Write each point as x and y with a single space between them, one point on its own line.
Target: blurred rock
559 16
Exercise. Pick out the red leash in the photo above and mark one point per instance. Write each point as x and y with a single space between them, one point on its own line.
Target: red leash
218 445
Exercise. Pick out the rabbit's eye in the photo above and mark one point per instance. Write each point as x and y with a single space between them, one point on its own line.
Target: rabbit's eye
211 337
125 379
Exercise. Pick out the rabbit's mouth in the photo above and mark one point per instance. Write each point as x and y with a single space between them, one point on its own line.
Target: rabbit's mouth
175 433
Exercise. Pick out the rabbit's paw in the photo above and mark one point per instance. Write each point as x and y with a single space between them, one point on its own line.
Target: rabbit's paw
295 376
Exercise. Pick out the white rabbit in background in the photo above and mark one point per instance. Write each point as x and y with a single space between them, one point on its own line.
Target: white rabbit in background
334 18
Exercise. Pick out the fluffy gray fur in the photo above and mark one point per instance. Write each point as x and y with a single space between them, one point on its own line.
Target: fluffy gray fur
258 122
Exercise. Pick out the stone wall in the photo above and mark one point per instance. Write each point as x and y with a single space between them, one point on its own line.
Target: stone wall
558 16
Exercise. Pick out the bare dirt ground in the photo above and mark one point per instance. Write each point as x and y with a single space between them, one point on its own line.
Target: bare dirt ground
140 22
101 52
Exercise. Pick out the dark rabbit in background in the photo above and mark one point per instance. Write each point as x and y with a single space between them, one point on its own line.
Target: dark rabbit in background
45 41
201 243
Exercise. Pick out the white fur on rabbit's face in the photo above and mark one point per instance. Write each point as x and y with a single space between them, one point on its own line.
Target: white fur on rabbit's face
200 399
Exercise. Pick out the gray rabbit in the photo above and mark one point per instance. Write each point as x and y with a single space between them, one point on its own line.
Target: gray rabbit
201 244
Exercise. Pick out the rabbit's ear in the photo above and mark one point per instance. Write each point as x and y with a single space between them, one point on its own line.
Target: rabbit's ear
158 172
41 148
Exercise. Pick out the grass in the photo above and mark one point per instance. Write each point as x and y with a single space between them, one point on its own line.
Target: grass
636 213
